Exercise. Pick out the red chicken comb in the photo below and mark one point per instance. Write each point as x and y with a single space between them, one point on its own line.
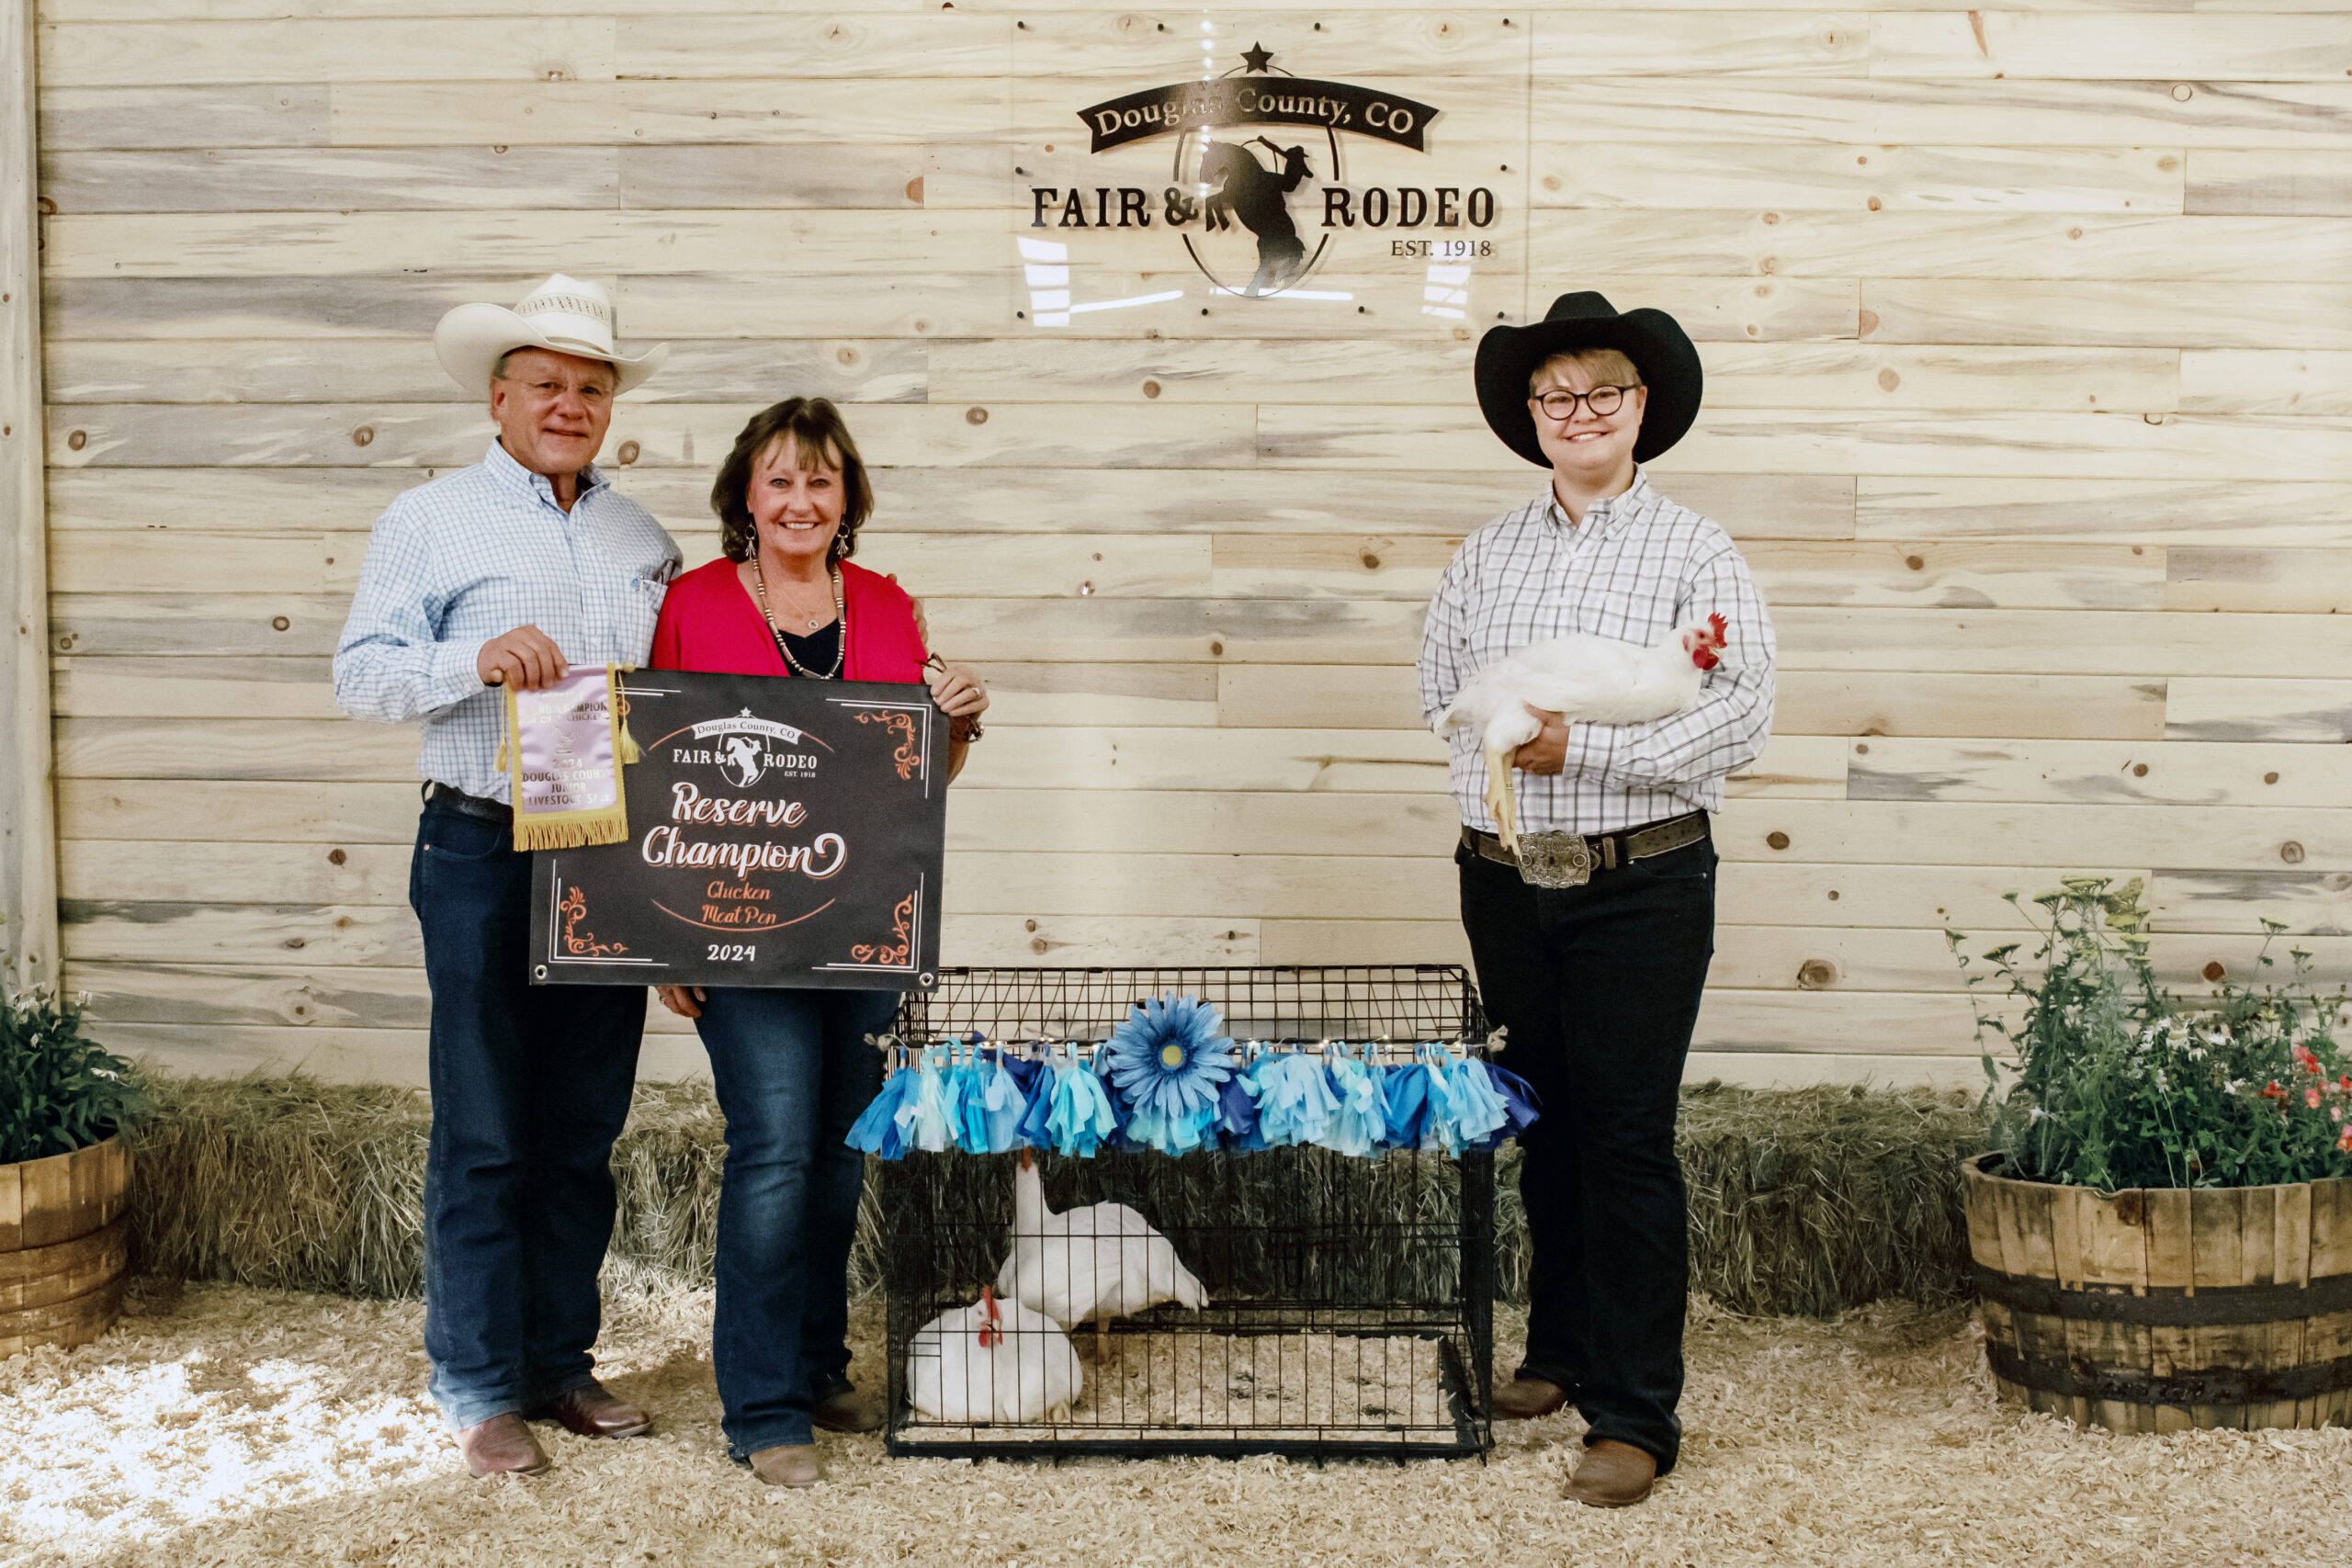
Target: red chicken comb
991 1323
1722 628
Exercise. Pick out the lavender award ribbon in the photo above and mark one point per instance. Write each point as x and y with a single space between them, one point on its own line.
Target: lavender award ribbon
565 744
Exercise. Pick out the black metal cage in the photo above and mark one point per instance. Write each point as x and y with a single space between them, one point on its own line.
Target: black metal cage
1291 1301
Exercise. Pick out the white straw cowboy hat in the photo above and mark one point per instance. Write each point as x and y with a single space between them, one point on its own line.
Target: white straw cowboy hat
563 314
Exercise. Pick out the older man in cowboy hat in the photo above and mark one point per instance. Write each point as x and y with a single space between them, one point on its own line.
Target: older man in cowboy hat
1591 946
507 573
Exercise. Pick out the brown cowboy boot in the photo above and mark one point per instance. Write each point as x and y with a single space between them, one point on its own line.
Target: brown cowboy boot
847 1409
1613 1475
592 1411
502 1445
1524 1399
789 1464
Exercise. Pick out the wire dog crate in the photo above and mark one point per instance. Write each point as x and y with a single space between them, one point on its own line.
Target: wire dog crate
1292 1301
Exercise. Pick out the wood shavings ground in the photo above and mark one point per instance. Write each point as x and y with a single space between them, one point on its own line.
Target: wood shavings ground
1302 1387
229 1425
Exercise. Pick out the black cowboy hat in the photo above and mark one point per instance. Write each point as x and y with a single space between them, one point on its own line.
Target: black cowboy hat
1652 340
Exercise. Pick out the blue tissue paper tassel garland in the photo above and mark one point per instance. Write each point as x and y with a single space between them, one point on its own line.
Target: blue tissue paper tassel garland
881 1129
1521 1106
1167 1080
1359 1125
1081 1121
1295 1100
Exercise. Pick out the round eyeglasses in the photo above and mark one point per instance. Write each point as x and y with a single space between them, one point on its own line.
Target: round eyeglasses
1558 403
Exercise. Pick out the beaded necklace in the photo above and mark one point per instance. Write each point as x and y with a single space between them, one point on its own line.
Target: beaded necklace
840 617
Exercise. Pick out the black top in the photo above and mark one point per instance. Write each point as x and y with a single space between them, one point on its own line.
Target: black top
816 652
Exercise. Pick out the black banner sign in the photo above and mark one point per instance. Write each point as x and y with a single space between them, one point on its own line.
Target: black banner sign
1257 100
781 832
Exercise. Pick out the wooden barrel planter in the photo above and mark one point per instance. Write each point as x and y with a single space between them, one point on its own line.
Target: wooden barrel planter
2164 1309
65 1246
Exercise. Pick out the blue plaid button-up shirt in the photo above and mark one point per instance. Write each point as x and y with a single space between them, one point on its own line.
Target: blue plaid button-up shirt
470 556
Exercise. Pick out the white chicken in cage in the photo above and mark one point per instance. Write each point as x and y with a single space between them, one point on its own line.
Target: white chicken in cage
1089 1264
993 1362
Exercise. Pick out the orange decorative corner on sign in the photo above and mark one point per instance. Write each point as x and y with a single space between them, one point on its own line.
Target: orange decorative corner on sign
906 756
574 909
901 918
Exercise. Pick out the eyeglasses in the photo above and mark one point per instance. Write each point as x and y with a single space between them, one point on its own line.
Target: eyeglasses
1560 403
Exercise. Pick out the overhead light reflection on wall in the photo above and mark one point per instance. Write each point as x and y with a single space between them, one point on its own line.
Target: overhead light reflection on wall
1448 293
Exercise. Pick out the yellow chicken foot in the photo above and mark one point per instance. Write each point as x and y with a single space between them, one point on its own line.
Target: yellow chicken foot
1502 798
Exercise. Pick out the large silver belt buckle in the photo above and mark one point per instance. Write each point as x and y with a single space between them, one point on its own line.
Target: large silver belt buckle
1556 860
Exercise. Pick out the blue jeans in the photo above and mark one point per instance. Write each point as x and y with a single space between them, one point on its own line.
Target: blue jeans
793 1071
531 1087
1599 986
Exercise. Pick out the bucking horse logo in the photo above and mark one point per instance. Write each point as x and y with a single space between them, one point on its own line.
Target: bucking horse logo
742 763
1242 188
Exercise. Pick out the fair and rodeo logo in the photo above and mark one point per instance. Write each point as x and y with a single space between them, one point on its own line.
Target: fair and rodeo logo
743 747
1231 197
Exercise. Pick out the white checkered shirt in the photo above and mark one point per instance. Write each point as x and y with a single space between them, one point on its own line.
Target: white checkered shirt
1639 567
470 556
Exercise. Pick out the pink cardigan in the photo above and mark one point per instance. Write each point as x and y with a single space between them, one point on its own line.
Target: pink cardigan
709 623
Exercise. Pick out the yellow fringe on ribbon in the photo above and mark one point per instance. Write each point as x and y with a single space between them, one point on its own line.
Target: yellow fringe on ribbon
570 832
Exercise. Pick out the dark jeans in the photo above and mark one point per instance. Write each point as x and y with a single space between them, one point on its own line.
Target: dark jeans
531 1087
1599 987
793 1071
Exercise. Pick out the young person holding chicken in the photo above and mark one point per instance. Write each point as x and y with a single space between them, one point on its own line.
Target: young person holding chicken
1592 938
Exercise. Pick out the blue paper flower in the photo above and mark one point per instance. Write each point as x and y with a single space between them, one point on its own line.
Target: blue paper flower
1169 1060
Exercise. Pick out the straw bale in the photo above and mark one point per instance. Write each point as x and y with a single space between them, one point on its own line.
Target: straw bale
233 1425
1809 1200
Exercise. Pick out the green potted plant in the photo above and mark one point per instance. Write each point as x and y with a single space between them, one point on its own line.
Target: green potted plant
64 1174
2161 1230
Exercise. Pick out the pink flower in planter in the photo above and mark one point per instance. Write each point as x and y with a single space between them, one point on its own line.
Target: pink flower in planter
2274 1091
2311 1097
2344 1142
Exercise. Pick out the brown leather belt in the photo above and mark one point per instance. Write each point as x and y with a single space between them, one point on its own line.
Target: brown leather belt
1599 852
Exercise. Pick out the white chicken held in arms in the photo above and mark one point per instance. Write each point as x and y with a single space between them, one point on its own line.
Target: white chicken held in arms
1096 1263
992 1361
1588 680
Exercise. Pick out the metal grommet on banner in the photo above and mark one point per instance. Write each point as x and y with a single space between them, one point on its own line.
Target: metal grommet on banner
538 971
926 979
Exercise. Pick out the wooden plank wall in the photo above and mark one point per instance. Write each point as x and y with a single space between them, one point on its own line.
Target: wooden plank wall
2030 351
28 955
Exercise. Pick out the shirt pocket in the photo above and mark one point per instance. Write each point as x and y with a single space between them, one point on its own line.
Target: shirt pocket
640 609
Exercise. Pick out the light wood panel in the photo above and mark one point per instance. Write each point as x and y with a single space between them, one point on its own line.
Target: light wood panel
1987 506
28 818
2193 109
1921 245
2111 47
2196 313
1859 178
466 49
2028 352
2308 710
